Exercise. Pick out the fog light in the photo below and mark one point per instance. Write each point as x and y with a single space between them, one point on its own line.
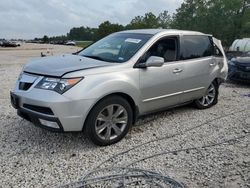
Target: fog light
51 124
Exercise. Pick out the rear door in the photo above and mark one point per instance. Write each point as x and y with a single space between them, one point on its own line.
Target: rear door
196 54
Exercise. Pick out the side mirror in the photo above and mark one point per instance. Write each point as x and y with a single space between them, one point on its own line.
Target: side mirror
154 61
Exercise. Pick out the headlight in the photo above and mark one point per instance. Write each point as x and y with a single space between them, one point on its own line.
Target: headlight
58 85
232 63
20 75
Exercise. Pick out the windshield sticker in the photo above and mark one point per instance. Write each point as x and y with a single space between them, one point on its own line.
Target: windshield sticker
136 41
121 58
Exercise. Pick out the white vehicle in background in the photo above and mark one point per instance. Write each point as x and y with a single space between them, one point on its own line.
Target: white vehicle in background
242 45
70 43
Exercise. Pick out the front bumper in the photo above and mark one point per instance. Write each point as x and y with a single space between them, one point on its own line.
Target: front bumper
237 75
35 117
50 110
36 120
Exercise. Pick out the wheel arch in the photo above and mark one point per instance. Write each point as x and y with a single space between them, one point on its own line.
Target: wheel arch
218 81
125 96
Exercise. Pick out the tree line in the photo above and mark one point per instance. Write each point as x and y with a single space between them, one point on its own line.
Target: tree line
225 19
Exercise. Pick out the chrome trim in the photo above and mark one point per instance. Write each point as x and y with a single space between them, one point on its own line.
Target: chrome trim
192 90
161 97
173 94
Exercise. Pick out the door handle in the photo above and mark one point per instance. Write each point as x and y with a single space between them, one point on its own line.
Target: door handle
212 64
177 70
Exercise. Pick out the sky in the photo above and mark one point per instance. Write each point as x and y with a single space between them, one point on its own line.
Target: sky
28 19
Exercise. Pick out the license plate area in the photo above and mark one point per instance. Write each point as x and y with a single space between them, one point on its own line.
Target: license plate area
14 100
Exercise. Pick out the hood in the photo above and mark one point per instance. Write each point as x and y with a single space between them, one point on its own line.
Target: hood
242 60
59 65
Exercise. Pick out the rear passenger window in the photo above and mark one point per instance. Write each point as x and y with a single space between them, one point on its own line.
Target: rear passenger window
196 47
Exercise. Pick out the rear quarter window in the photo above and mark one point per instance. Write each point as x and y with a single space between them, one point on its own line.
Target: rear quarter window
196 47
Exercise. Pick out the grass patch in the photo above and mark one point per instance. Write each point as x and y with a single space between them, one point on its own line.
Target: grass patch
83 44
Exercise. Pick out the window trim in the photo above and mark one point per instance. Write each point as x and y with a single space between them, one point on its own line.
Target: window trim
177 37
215 47
197 58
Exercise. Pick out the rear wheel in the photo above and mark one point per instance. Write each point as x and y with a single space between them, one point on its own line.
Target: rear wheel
209 99
109 121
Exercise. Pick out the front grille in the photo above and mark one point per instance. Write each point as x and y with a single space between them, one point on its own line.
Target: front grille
43 110
244 68
24 86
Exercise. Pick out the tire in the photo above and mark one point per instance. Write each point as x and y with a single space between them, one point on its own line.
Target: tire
209 99
109 121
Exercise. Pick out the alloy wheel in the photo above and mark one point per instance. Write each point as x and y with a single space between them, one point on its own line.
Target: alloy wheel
209 97
111 122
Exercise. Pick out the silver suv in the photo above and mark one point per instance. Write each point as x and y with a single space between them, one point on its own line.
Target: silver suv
104 88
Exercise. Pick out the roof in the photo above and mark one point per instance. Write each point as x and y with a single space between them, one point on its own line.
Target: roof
166 31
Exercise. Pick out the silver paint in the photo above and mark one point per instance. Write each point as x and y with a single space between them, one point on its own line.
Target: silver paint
150 88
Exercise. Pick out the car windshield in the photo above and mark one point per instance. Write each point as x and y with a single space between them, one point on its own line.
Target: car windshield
118 47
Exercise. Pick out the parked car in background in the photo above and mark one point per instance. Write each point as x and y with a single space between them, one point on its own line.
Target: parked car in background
70 43
239 67
10 44
104 88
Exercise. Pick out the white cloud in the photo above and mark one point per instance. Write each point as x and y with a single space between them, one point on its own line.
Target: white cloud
34 18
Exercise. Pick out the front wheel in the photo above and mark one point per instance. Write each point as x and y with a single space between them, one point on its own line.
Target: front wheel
209 99
109 121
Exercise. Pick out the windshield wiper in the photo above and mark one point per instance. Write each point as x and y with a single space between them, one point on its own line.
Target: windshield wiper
94 57
99 58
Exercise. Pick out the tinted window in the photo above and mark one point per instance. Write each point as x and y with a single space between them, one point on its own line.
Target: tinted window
196 47
165 48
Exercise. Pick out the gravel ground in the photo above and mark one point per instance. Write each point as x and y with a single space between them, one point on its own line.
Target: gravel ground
195 147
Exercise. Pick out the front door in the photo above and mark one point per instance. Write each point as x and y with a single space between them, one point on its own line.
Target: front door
160 86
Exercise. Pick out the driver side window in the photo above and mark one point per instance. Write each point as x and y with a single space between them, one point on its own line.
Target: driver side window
165 48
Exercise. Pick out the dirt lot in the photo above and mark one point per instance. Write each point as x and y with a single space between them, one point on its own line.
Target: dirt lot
208 148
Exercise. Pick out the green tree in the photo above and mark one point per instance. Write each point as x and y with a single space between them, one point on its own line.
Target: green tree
107 28
225 19
149 20
136 23
164 20
45 39
81 33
